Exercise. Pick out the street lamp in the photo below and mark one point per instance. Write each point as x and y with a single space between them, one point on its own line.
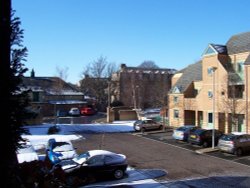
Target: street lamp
213 139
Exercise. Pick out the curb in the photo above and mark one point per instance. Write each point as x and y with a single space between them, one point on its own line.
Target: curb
206 150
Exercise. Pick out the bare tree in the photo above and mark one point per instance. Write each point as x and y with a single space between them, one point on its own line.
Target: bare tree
232 94
96 76
62 74
148 64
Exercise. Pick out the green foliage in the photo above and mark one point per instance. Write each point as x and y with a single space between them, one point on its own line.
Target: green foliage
19 99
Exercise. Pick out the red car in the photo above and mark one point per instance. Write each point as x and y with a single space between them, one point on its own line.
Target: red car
87 111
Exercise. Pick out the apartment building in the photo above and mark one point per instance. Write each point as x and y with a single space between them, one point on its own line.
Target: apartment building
214 92
138 87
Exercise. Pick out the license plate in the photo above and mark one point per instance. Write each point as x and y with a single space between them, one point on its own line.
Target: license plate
193 136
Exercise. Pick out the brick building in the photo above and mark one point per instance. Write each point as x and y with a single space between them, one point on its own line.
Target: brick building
214 92
141 87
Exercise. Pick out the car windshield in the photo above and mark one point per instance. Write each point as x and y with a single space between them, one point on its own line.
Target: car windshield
61 146
81 158
26 149
228 137
198 131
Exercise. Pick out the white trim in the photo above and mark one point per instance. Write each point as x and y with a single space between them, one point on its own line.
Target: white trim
209 46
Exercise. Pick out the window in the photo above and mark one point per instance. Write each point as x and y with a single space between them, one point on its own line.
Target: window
240 67
176 113
210 117
96 160
175 99
210 94
210 71
35 96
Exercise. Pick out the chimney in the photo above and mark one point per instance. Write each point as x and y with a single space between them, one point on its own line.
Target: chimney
123 66
32 74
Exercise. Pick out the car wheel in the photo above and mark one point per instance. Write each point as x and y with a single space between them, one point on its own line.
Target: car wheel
238 152
205 144
118 174
143 130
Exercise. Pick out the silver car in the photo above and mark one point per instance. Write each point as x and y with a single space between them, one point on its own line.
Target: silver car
236 143
147 124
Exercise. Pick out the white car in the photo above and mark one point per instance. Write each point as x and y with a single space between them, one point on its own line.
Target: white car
74 112
27 154
60 150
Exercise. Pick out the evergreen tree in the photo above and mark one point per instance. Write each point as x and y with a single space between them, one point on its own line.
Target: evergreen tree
13 100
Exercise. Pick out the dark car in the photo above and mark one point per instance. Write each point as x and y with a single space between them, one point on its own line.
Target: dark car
147 124
94 164
204 137
236 143
182 132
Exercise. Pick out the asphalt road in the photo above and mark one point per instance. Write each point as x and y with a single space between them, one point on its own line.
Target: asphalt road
179 162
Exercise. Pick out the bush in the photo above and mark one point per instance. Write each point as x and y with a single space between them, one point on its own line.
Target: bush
54 129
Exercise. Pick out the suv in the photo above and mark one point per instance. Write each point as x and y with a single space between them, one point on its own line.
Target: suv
204 137
147 124
235 143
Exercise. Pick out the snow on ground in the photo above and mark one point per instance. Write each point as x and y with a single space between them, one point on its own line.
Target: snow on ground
38 137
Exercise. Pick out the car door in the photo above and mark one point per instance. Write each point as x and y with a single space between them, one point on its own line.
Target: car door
151 124
95 165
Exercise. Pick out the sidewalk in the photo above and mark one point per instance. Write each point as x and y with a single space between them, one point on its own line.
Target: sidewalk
206 150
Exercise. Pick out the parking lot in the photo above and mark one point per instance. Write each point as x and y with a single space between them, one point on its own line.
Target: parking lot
166 137
157 150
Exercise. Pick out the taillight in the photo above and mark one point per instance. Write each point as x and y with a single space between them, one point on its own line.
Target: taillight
231 142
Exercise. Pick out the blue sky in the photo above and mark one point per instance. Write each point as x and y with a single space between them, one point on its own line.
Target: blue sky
172 33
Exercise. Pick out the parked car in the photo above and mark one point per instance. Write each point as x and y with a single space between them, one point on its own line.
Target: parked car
87 111
27 153
59 150
236 143
182 132
147 124
94 164
204 137
74 112
61 113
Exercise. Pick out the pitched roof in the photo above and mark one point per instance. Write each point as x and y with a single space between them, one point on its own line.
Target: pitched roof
221 49
124 68
247 62
190 74
49 85
238 43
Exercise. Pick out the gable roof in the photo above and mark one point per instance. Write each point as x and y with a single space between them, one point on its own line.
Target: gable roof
215 49
50 85
239 43
247 62
190 74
